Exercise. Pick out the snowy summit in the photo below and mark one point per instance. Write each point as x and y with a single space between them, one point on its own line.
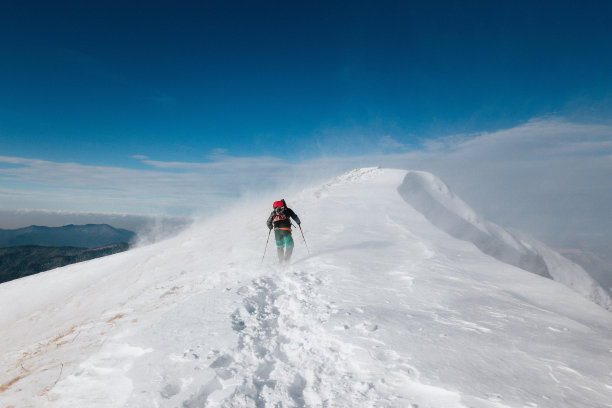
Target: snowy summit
407 299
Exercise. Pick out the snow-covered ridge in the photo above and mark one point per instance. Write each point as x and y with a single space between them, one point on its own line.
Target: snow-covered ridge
386 311
350 177
437 202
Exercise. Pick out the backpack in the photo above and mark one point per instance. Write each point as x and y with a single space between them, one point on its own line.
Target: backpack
279 210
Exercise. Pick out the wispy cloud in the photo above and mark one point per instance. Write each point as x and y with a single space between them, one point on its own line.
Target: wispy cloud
550 176
165 187
389 144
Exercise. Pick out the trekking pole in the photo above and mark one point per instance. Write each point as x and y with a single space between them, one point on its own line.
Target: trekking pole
264 255
308 249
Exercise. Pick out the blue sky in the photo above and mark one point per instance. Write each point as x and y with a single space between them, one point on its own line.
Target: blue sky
172 107
99 82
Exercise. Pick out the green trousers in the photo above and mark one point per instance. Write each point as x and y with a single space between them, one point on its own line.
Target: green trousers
283 240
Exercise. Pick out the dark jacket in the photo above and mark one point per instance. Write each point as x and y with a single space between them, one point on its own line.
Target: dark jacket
285 223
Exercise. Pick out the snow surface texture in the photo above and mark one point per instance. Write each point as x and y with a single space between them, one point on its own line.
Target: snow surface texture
429 195
387 311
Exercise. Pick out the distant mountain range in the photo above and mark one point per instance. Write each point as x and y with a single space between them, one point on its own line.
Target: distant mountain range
34 249
77 236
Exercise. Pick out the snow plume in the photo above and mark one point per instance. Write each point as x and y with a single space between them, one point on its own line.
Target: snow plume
148 228
160 228
387 310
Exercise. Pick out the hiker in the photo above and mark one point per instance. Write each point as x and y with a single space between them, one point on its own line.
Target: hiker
280 220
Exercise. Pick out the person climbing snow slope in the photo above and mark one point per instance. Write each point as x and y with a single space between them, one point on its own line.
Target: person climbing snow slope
280 220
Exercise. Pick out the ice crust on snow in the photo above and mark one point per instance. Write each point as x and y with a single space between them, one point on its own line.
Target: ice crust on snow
389 310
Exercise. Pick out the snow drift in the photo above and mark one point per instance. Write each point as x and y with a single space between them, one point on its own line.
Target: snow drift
388 310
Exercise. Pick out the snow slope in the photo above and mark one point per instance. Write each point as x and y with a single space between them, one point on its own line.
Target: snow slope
428 194
388 311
